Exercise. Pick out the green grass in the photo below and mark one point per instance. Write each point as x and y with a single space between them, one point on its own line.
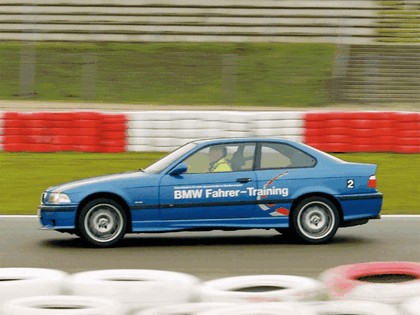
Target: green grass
399 22
259 74
398 178
26 175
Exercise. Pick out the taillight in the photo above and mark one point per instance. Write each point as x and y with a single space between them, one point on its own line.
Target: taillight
372 182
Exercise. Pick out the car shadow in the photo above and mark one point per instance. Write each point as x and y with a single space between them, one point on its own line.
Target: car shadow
198 239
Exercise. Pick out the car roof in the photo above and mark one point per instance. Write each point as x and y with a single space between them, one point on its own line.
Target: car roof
242 139
318 154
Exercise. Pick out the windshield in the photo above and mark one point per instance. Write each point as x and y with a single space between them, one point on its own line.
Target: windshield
164 162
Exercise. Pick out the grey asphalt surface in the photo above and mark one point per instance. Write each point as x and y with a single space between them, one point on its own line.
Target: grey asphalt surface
210 255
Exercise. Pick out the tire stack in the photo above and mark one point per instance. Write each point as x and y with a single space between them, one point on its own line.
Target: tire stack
377 283
363 131
63 131
383 288
135 288
165 130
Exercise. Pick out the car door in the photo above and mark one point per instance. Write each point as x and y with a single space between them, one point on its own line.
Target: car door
281 169
202 194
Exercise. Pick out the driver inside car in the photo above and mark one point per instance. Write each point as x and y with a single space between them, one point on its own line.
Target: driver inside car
218 161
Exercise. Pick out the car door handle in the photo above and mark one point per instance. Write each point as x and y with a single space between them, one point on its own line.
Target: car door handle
244 180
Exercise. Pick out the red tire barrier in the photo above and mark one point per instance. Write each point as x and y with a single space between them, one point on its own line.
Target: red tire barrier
329 131
1 131
64 131
387 282
363 131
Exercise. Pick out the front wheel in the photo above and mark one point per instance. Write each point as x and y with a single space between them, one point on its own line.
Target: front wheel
102 222
315 220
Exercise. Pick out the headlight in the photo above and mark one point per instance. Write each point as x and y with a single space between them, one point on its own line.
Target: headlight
58 197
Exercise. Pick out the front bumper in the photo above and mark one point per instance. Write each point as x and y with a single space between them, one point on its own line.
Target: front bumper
58 217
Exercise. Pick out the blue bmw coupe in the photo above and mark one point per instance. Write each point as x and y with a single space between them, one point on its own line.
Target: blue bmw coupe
222 184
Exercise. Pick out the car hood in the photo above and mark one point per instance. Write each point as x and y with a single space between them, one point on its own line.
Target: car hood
124 179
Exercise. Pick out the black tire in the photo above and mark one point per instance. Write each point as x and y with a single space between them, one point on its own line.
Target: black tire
102 222
315 220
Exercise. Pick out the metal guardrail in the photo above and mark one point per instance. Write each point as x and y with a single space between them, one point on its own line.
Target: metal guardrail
346 21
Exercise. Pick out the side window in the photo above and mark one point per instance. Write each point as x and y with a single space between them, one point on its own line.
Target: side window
198 162
278 155
222 158
242 157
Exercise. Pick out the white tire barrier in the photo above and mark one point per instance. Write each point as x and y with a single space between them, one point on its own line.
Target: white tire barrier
25 282
354 308
166 130
136 288
62 305
411 306
360 281
273 308
261 288
145 148
183 309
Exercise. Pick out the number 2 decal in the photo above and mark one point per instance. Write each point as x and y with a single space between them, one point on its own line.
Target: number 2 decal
350 183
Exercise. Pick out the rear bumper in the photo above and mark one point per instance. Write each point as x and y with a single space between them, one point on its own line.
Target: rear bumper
360 207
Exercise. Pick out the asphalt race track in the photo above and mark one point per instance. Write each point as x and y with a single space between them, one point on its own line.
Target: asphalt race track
210 255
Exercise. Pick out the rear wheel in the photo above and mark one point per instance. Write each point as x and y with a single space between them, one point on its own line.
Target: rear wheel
102 222
315 220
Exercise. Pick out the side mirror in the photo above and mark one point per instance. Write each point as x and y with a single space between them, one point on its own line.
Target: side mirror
179 169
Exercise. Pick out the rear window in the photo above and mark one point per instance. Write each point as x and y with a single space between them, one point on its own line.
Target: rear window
279 155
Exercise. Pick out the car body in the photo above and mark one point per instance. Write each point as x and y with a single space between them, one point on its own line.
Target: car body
271 184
